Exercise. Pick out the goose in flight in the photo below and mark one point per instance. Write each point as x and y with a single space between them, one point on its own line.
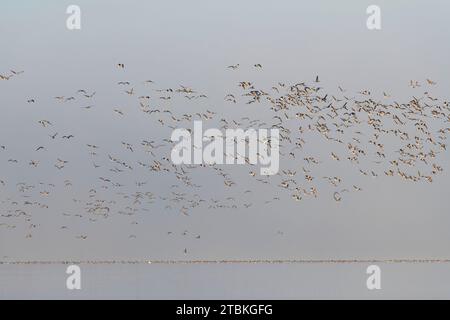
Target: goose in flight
44 123
16 72
3 77
90 95
337 196
119 112
34 163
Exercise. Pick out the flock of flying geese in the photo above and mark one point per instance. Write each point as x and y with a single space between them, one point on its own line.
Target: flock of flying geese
320 133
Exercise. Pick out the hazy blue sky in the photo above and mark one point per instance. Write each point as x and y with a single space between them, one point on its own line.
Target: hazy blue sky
191 43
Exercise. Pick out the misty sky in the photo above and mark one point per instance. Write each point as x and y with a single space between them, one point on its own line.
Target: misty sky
191 43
